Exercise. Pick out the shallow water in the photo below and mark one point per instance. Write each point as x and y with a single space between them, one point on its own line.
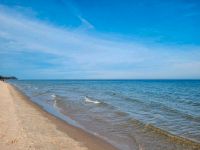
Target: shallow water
130 114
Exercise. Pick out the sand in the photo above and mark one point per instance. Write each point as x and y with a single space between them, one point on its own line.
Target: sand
24 125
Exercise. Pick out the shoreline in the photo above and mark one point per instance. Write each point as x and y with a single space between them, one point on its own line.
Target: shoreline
77 136
84 138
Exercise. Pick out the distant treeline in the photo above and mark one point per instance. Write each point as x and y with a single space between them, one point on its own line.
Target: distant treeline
7 77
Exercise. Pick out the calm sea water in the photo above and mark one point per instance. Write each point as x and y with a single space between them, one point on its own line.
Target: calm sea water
130 114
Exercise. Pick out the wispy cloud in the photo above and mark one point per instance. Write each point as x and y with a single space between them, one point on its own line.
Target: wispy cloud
40 50
85 23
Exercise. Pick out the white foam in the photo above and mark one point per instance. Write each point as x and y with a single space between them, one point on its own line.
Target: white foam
88 100
53 95
55 104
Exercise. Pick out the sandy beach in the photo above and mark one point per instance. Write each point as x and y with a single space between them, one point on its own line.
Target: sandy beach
24 125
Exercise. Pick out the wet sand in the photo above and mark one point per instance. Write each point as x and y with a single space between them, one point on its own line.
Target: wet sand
24 125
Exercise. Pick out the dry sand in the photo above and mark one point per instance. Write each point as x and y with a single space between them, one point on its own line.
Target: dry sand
23 125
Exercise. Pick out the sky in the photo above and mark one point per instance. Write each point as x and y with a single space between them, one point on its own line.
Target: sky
107 39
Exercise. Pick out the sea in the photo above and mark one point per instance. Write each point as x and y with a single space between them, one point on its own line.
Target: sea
130 114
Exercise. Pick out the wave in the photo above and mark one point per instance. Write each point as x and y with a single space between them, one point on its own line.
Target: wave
147 127
160 105
177 138
53 95
89 100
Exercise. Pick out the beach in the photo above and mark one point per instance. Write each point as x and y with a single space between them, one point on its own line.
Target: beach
99 115
24 125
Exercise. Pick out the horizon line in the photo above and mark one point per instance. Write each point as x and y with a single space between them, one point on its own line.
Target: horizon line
122 79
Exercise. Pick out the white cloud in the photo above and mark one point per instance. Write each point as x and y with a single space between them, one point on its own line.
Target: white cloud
85 23
77 54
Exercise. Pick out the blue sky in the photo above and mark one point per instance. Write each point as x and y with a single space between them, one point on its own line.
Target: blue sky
107 39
